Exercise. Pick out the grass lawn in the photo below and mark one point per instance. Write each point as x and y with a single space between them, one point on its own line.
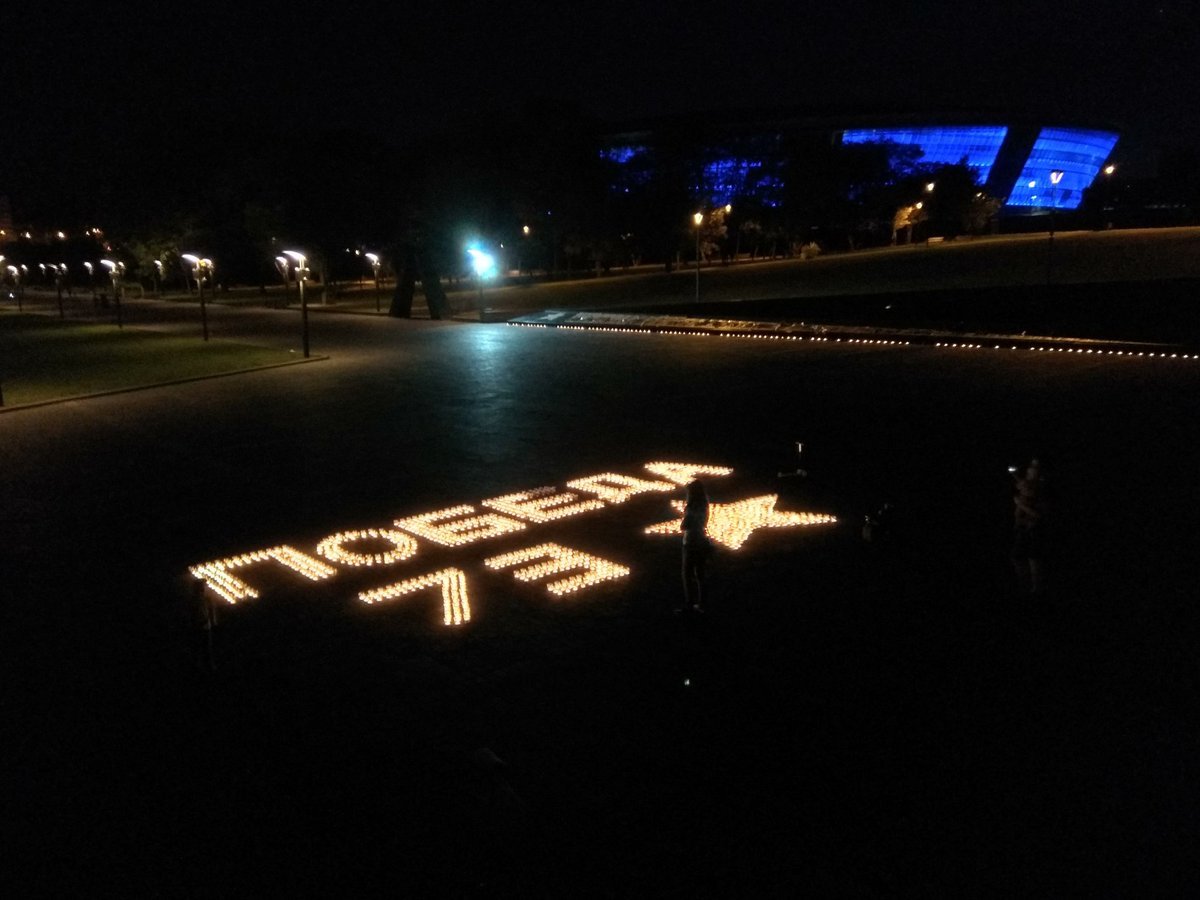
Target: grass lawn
46 359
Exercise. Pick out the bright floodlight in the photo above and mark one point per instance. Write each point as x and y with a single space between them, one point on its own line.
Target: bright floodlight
190 257
109 264
295 255
484 264
698 218
373 257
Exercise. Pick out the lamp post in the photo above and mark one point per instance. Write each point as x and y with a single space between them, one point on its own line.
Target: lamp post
59 272
115 270
15 274
698 220
301 274
158 277
484 265
1 381
281 266
91 270
1056 176
373 259
1109 170
199 266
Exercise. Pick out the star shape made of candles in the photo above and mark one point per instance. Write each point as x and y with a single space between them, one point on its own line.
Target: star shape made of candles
731 524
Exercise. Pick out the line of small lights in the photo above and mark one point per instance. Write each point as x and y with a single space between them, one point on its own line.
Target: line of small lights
559 559
864 341
685 473
543 504
218 577
683 332
333 547
436 527
614 488
456 604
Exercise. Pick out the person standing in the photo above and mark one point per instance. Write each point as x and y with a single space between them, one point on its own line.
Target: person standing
204 620
1030 524
696 547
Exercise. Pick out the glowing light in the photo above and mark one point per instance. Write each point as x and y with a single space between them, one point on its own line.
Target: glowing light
456 604
558 559
334 549
442 527
218 574
731 524
685 473
543 504
614 488
483 263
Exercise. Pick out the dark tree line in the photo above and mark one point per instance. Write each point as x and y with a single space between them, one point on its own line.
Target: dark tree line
534 188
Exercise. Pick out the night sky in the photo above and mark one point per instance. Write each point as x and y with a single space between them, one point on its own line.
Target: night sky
97 100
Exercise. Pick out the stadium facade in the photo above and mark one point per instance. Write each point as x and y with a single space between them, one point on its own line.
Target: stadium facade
747 158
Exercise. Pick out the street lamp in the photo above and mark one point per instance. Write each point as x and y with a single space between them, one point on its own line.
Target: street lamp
91 270
1056 176
281 265
484 265
158 277
199 268
60 272
373 259
301 275
115 271
698 220
1109 170
15 274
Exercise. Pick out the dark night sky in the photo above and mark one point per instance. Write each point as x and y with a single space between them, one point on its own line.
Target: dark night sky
88 98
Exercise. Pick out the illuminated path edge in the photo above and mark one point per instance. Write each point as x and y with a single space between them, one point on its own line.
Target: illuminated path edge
633 323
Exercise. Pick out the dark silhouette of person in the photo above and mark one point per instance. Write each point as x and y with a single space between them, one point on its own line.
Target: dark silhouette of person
204 620
696 547
1030 526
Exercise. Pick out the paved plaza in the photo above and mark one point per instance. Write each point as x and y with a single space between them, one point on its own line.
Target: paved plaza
847 717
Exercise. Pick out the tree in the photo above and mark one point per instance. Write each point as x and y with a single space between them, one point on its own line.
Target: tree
953 201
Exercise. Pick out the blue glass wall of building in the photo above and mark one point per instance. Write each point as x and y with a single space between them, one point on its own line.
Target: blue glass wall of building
752 167
977 145
1078 153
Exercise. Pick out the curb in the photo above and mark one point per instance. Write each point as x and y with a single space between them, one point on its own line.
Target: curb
158 384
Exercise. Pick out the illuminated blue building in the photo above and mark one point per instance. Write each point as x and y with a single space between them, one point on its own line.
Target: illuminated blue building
978 145
1079 154
728 162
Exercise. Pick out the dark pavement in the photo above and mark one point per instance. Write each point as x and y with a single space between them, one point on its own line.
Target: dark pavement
847 719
